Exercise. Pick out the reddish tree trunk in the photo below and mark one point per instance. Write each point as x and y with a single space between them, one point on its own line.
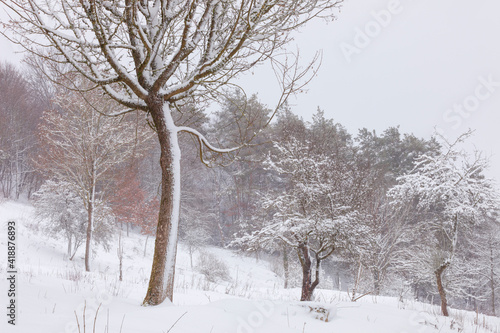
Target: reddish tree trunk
308 285
442 292
306 274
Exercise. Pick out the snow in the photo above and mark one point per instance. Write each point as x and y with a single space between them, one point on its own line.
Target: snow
51 290
176 197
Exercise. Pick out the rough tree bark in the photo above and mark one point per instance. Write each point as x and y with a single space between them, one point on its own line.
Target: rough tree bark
305 262
308 285
162 275
442 292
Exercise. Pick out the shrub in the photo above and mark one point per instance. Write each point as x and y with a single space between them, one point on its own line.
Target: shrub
212 267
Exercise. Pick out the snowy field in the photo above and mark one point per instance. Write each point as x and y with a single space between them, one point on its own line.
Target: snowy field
55 295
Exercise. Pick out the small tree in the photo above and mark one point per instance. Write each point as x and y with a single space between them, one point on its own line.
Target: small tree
312 216
81 147
64 213
379 248
56 203
452 195
195 231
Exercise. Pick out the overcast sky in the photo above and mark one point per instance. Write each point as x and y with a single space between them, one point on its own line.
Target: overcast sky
432 64
417 64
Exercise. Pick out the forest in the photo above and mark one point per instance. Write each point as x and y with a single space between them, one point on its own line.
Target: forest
368 213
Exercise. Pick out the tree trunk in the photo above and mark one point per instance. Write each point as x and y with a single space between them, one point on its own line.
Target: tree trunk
306 279
90 221
16 174
442 292
492 278
191 250
376 281
146 245
120 256
69 246
161 283
285 266
308 285
75 248
357 280
90 213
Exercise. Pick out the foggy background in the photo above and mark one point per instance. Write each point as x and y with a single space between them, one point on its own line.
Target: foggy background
412 69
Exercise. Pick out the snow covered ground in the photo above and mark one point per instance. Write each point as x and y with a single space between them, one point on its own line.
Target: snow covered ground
55 295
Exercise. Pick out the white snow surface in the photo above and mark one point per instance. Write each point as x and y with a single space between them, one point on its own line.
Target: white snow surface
176 197
53 291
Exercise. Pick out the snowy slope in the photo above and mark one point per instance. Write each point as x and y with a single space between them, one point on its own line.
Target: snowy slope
53 293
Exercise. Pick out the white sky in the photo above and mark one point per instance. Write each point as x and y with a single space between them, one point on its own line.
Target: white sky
412 73
427 59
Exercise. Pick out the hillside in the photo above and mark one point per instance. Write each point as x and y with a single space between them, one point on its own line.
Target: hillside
55 295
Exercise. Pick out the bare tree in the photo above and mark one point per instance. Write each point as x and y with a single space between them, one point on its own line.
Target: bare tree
82 147
153 55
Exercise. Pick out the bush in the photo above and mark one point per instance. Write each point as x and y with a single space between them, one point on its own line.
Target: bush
212 267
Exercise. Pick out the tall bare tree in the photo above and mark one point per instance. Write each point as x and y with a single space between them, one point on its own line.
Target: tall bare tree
153 55
82 147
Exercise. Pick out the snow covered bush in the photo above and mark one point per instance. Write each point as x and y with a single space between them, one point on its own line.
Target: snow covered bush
213 268
63 211
63 214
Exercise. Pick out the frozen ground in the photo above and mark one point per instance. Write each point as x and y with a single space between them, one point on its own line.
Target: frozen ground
55 295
